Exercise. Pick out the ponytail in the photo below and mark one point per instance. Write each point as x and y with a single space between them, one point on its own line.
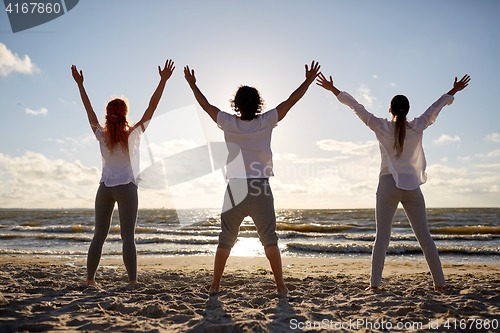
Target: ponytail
399 109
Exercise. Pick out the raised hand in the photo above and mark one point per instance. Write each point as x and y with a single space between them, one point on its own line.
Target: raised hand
94 122
189 75
286 105
327 84
460 85
312 73
323 82
167 70
77 76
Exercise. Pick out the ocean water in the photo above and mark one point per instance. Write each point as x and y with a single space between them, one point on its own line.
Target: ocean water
462 235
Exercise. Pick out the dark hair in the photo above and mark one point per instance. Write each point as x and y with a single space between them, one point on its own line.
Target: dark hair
400 105
117 124
247 102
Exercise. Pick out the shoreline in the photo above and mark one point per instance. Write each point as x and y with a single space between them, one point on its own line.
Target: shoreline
291 265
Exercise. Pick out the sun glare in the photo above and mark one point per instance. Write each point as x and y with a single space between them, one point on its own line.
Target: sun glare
247 247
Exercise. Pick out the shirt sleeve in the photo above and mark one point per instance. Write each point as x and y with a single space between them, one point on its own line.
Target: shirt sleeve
98 133
271 117
429 116
222 118
135 135
368 118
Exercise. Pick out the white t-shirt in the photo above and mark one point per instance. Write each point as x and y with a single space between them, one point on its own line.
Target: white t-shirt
249 144
120 168
408 170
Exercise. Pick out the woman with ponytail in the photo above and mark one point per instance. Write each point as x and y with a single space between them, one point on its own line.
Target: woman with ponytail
402 173
119 144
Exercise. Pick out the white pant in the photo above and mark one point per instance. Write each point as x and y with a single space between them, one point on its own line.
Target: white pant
388 198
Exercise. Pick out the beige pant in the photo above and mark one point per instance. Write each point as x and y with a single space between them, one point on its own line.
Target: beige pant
388 198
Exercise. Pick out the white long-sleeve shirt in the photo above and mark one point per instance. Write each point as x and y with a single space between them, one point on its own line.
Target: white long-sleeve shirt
408 170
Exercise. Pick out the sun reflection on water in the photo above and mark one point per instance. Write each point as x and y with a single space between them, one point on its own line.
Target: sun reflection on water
248 247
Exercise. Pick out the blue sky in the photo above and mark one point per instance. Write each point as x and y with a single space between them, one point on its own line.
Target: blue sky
325 157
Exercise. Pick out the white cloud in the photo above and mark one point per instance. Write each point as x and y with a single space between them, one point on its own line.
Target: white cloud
33 167
10 62
285 157
164 149
393 84
493 165
443 139
493 153
375 76
35 181
349 148
458 187
438 170
80 141
42 111
464 158
363 95
493 137
295 159
493 189
71 145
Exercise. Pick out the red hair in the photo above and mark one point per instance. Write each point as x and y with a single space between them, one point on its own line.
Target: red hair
117 126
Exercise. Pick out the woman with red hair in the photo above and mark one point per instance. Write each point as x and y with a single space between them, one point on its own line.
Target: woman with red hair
119 143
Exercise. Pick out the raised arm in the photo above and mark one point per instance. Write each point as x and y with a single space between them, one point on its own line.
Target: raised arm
368 118
430 115
155 99
285 106
94 122
460 85
202 100
327 84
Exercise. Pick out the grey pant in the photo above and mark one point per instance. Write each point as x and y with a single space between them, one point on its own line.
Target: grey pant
388 198
126 196
258 204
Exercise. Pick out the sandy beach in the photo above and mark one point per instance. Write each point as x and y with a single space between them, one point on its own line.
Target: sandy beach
49 294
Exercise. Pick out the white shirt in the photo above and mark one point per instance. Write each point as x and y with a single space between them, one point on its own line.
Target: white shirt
120 168
249 144
408 170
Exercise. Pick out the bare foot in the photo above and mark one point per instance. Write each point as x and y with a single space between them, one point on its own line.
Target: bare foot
90 282
213 292
214 288
282 289
440 289
372 288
